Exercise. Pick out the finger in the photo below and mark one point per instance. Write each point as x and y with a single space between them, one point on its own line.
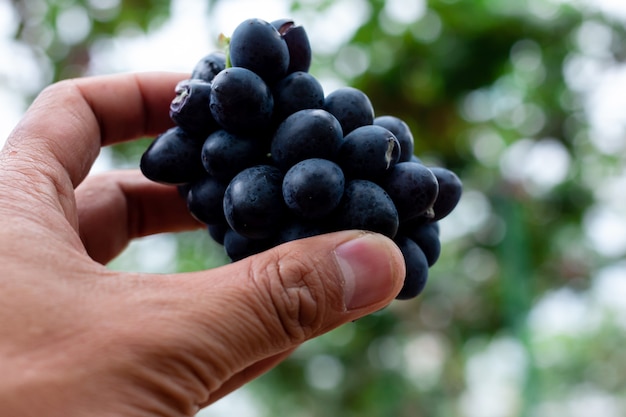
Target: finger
237 315
116 207
70 120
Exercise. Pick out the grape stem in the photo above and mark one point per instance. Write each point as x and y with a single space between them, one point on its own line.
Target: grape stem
224 42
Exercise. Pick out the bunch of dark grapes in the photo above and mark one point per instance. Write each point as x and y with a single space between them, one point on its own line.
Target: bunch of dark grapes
264 157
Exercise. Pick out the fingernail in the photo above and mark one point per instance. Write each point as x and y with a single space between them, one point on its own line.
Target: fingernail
368 269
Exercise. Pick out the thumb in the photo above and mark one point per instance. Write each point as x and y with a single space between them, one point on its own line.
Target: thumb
305 288
243 313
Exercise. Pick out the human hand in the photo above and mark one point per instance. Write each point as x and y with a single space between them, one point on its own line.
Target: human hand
79 339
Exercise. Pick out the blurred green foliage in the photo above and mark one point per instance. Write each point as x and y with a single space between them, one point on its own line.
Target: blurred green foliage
475 80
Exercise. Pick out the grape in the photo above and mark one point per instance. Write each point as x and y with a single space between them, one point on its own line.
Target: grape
402 132
208 67
313 188
253 202
298 44
298 228
204 200
413 188
172 158
366 206
426 236
310 133
298 91
217 231
416 268
351 107
225 154
190 108
183 189
450 189
368 152
239 247
258 46
240 101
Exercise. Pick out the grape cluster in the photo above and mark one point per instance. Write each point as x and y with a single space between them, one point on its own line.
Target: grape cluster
264 157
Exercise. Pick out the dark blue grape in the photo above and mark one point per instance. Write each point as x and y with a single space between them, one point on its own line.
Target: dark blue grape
190 107
298 228
225 154
256 45
351 107
313 188
209 66
297 91
238 247
413 189
253 202
450 190
368 152
183 189
240 101
173 158
217 231
416 268
298 44
310 133
366 206
401 131
204 200
426 236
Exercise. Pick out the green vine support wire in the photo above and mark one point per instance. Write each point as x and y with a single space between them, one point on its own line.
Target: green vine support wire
515 253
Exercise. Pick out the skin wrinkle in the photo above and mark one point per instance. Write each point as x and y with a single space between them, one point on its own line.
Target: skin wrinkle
299 296
31 155
173 396
118 207
148 115
135 210
146 123
39 227
293 302
86 165
186 323
75 99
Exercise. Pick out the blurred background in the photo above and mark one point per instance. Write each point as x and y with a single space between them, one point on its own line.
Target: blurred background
525 312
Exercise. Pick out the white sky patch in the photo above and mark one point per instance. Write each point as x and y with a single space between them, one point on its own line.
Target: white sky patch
73 24
176 46
561 312
470 215
324 372
403 11
228 14
20 75
424 357
496 372
613 8
239 403
606 110
605 227
538 165
609 291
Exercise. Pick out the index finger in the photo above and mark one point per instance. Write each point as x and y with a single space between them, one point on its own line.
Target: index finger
70 120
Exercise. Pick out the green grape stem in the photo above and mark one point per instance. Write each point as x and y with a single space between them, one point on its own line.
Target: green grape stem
224 42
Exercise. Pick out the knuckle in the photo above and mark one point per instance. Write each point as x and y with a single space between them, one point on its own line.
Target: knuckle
298 296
